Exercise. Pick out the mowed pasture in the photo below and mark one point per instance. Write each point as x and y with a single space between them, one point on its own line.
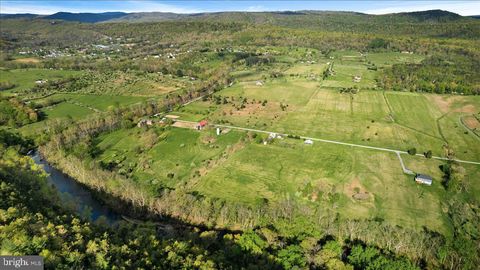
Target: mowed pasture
390 58
237 169
99 102
76 107
329 177
177 155
24 79
355 182
397 120
454 108
59 111
344 73
64 110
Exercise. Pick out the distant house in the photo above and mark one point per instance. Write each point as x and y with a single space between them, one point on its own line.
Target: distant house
144 123
259 83
103 47
357 79
202 124
423 179
308 141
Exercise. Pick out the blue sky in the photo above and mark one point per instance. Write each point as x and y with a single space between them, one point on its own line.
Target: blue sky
372 7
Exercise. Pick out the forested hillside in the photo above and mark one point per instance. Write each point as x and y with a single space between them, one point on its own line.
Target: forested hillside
434 23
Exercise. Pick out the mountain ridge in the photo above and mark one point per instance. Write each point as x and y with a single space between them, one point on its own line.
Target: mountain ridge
106 17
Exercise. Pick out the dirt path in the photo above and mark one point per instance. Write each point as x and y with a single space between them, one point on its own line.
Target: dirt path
440 128
405 170
390 109
460 119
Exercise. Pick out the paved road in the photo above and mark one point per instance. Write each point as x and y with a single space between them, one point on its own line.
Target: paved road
334 142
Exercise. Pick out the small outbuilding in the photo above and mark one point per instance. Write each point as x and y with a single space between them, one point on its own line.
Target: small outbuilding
423 179
201 124
144 123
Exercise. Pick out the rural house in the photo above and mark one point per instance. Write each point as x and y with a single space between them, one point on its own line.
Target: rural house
423 179
201 124
144 123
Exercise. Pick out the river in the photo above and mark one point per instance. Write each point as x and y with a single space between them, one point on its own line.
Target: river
73 192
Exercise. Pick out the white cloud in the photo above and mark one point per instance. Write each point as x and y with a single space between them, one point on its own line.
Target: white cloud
10 7
5 8
255 8
150 6
462 8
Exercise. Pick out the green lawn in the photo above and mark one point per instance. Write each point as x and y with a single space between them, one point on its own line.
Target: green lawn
390 58
362 118
281 90
326 175
24 79
62 110
100 102
196 111
179 151
344 73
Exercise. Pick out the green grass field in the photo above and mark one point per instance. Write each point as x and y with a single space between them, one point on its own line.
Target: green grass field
76 107
323 175
327 175
99 102
362 118
131 83
178 151
355 182
24 79
390 58
59 111
64 110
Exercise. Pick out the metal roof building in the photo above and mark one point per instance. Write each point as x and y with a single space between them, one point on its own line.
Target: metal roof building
423 179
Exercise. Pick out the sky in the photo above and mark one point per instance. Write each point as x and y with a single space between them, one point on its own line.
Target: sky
195 6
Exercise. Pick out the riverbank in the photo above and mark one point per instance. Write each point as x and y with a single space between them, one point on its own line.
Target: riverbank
111 208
